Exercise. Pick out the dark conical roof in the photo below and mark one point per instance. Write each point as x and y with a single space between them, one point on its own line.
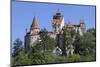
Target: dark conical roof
35 23
58 12
81 21
70 24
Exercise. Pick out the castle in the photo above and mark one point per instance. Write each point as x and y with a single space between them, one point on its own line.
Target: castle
58 23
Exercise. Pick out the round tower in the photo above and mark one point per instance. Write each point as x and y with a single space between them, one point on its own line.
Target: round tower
58 22
34 29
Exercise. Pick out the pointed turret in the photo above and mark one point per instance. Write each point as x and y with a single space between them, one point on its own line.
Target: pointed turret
70 25
35 23
34 27
81 21
58 13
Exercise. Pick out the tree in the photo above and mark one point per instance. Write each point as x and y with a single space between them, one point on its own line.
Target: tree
89 43
22 59
32 57
68 35
17 47
77 43
36 56
85 45
43 35
47 43
92 30
64 43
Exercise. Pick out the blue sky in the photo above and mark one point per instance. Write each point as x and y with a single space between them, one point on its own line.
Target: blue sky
24 12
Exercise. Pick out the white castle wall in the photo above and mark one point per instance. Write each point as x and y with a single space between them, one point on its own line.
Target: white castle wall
62 23
34 39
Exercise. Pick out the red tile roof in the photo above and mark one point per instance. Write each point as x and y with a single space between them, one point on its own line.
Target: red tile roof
35 23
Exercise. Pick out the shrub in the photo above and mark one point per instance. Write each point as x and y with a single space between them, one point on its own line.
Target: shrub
88 58
74 58
50 58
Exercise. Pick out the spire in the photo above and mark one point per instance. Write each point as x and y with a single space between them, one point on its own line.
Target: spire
34 23
58 12
34 27
70 24
81 21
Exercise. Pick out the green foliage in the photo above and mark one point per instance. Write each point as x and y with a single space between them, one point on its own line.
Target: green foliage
17 47
89 42
50 57
61 59
92 30
38 58
28 58
74 58
21 59
88 58
77 43
85 45
73 33
68 35
85 49
48 43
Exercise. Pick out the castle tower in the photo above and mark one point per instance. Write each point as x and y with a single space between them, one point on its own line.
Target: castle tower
82 28
32 36
82 23
34 29
70 25
58 22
